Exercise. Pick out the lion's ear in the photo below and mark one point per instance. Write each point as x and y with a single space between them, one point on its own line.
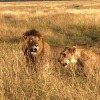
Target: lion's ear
41 38
74 49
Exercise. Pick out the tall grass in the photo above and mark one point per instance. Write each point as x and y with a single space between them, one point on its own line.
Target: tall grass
18 83
69 28
61 24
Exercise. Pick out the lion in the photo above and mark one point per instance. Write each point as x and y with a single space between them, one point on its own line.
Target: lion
83 57
36 51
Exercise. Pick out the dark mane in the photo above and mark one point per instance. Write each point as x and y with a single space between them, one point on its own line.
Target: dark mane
32 32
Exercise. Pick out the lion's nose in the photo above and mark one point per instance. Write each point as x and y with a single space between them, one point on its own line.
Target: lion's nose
36 45
35 49
64 64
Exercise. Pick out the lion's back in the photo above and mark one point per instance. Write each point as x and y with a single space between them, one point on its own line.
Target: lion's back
90 60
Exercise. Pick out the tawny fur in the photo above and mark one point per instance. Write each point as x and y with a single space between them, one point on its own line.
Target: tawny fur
85 58
41 59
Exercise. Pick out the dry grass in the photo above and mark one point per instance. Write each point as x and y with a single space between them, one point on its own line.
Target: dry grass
62 23
75 20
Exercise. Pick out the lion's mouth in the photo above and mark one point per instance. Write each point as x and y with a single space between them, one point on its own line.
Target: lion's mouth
33 50
65 65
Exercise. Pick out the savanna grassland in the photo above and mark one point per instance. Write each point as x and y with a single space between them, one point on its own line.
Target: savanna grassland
61 23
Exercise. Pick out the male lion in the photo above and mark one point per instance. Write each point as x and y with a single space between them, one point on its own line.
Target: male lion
82 57
36 51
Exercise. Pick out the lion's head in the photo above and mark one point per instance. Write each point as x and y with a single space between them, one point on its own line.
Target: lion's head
67 56
33 43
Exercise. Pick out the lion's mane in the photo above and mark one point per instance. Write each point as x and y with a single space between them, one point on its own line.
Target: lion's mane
43 58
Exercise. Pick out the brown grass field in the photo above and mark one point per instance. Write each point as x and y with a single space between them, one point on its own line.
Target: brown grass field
61 23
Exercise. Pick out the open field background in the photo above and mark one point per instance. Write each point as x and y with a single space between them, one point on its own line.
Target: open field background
61 23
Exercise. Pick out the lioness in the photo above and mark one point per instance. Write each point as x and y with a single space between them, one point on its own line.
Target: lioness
85 58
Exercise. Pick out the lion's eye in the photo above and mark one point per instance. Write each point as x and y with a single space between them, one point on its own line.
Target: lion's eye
31 41
64 55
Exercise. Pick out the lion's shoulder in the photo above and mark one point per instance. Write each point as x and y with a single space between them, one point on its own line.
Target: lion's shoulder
86 54
46 50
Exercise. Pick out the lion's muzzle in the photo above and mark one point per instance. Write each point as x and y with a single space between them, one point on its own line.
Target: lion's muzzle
34 50
65 65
